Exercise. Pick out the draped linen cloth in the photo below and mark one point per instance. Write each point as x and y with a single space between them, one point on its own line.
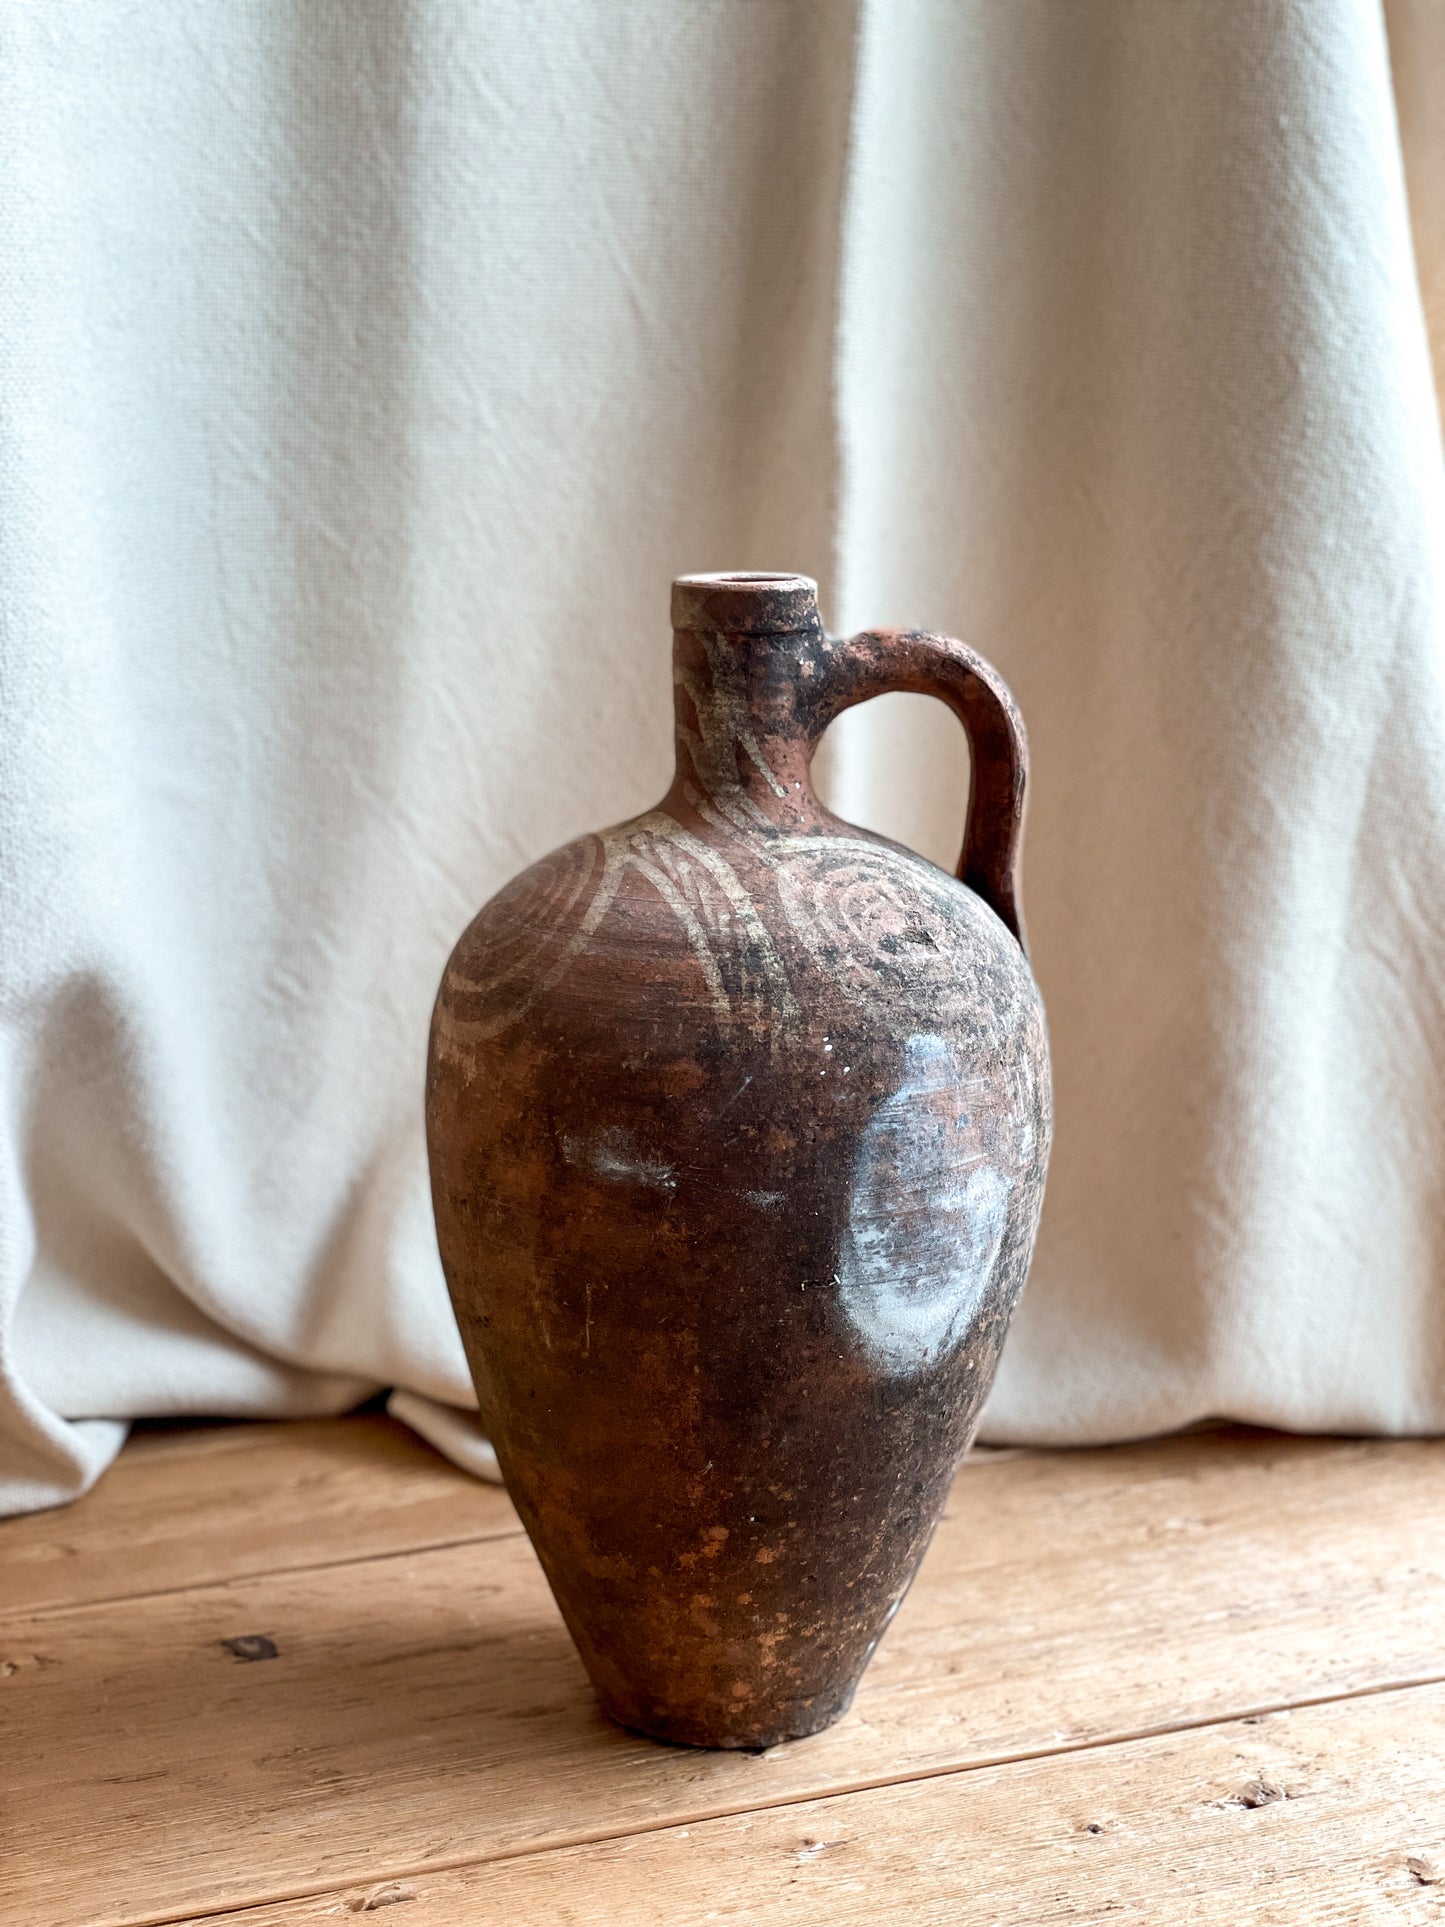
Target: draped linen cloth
366 375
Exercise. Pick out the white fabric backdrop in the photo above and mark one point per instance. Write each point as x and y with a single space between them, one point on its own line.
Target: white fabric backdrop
368 373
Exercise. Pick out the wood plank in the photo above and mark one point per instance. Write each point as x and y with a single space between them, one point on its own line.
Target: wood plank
429 1709
1330 1815
214 1503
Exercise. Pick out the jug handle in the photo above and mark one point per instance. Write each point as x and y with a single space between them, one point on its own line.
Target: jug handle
879 662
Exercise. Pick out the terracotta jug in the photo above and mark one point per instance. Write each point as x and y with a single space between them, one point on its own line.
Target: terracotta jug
738 1118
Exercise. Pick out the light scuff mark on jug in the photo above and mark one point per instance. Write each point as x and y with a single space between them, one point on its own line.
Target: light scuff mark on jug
927 1218
614 1156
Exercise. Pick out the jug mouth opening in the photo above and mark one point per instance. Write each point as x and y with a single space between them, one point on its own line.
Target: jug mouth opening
745 602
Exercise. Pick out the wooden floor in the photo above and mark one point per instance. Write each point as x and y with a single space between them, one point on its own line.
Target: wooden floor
290 1674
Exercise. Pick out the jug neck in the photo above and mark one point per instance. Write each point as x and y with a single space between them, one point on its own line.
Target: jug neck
742 648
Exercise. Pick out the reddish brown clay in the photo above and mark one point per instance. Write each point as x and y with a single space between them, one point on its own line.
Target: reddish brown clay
738 1120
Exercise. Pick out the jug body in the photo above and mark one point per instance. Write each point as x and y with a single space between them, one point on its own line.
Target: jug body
738 1120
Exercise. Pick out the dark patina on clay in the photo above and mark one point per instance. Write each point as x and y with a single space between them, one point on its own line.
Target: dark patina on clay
738 1119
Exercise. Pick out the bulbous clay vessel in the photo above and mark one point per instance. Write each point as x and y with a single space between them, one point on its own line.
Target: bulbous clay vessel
738 1119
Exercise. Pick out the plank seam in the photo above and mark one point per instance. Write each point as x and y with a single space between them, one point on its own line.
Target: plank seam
702 1816
65 1608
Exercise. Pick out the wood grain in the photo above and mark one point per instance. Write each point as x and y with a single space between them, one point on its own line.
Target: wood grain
1330 1815
210 1503
428 1710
